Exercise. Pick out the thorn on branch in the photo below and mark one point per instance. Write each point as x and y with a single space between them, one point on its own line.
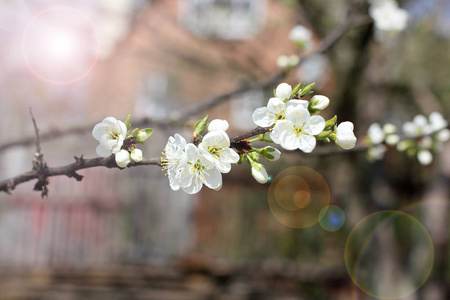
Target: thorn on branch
75 175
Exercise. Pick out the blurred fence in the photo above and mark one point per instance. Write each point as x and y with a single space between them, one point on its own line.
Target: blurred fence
91 225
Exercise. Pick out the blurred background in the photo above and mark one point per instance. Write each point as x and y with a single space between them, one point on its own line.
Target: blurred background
124 234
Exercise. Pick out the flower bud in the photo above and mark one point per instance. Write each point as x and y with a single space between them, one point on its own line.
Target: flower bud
283 61
218 125
443 135
389 128
319 102
270 153
284 91
392 139
375 133
259 173
136 155
345 137
142 136
122 158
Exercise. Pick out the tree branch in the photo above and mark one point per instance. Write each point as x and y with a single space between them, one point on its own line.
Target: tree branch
70 170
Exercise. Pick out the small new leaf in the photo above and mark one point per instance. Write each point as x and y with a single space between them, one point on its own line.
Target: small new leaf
128 122
200 126
296 89
306 90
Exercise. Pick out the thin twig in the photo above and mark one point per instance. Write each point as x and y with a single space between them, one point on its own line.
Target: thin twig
39 164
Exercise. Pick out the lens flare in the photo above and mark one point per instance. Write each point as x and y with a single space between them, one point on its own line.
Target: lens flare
297 195
14 15
331 218
59 45
389 255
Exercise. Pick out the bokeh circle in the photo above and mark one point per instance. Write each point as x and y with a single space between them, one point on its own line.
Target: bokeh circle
331 218
297 195
389 255
59 45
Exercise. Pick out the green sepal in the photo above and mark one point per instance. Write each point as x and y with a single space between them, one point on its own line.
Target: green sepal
274 92
241 159
330 123
148 131
200 126
324 135
135 132
254 155
128 122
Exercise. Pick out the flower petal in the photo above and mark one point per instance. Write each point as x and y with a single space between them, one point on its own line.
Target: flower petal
317 124
99 130
262 117
213 178
102 151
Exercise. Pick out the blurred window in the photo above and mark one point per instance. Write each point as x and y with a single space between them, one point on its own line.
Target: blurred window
223 19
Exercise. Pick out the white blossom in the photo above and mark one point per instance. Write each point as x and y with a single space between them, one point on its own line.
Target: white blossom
302 36
136 155
298 129
175 159
437 122
215 147
345 137
275 110
198 171
122 158
284 91
259 173
388 17
424 157
110 133
376 134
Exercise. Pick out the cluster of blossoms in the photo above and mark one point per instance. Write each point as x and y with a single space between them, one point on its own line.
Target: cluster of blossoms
421 137
189 166
387 16
287 120
302 37
378 137
115 139
296 123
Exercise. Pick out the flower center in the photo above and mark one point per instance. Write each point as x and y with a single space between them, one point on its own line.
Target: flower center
281 115
214 150
198 167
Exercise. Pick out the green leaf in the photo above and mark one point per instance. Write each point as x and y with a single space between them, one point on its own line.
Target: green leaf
296 89
307 89
200 126
128 122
